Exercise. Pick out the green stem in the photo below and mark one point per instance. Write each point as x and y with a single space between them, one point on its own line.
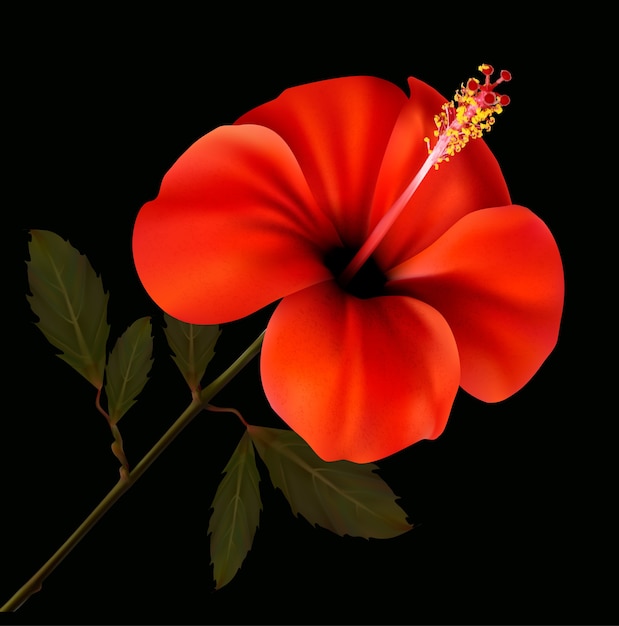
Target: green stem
117 446
124 484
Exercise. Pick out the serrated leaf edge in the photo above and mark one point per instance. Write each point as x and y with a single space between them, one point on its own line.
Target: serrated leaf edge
118 404
243 457
185 357
92 365
259 432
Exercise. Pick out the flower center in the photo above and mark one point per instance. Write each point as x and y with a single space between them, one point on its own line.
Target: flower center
466 117
368 282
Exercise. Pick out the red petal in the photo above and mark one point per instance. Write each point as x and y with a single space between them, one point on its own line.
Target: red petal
359 379
233 228
338 130
471 180
497 278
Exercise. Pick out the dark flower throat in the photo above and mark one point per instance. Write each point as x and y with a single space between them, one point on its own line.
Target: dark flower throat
368 282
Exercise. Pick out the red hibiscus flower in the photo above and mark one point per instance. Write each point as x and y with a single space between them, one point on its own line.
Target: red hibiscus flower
399 281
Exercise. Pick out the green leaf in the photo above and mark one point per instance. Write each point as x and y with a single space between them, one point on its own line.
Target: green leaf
128 368
69 300
236 512
344 497
193 347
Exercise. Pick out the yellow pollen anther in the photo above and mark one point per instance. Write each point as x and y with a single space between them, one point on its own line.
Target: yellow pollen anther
468 115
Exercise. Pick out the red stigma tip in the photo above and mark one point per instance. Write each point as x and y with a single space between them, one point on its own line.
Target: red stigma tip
506 75
486 69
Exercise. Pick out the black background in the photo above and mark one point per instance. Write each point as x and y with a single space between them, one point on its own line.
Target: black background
512 502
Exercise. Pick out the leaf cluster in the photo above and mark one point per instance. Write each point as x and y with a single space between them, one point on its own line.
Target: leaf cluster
344 497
